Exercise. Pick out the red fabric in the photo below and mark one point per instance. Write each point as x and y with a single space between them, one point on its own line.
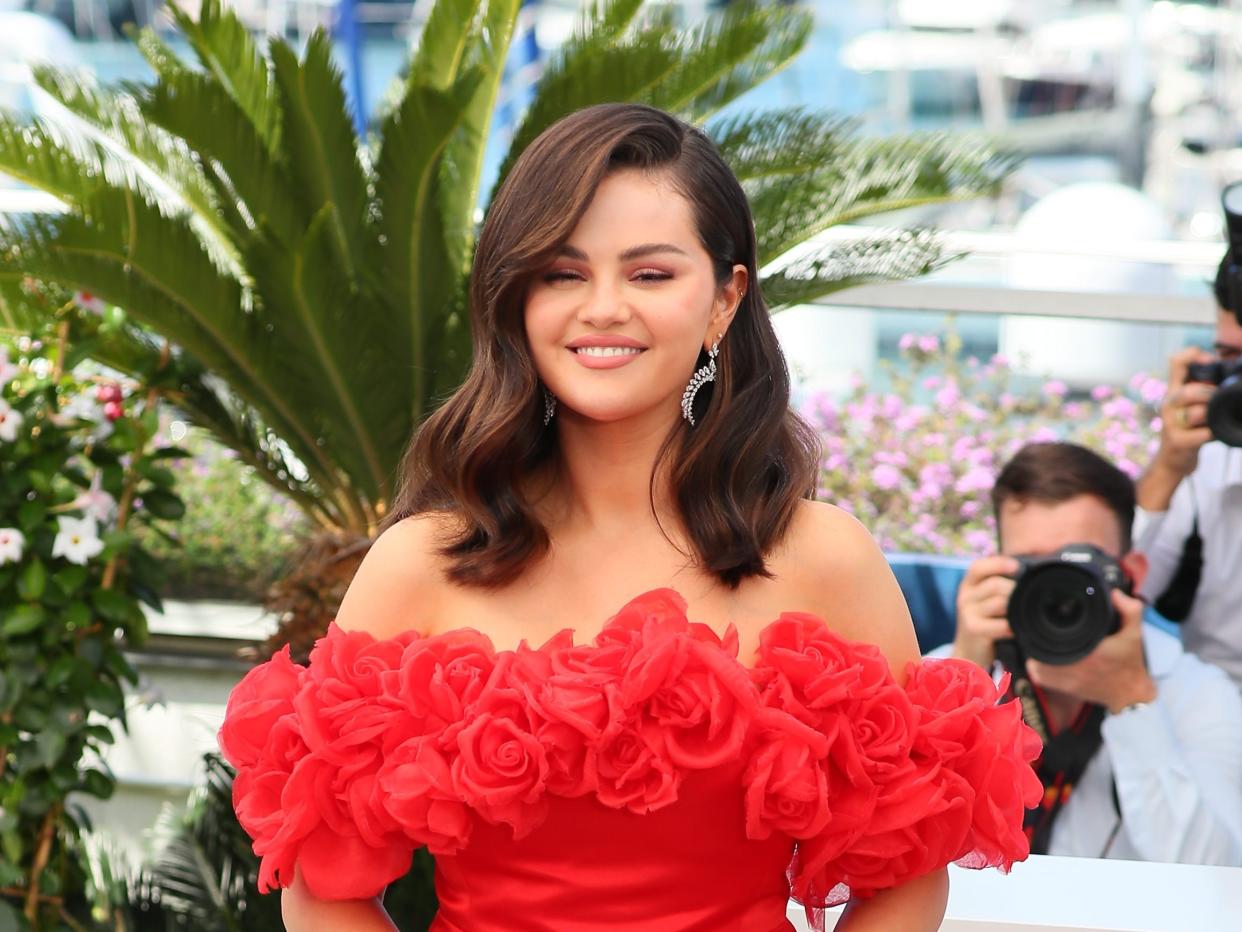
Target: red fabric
646 776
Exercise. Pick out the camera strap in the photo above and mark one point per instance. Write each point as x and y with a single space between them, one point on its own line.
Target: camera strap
1066 753
1178 597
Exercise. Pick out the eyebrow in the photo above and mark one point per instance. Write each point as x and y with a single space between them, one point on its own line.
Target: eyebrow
1227 348
634 252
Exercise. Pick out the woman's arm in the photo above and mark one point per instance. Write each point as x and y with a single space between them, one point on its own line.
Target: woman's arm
302 911
858 596
912 907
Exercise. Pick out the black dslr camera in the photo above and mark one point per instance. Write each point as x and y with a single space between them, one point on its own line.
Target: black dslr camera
1224 414
1062 605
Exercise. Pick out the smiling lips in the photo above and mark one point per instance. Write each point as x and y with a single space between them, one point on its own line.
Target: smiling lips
605 352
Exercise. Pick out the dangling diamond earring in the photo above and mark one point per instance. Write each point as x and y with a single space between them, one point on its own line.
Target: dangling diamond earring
698 380
549 406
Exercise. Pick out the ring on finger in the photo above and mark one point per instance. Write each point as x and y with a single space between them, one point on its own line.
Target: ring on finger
1183 417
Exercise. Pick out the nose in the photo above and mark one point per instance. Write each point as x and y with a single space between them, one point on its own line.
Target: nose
604 306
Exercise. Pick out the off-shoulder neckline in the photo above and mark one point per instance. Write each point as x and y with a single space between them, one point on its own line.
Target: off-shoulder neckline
728 640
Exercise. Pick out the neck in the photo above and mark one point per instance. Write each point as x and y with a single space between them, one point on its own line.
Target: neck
603 478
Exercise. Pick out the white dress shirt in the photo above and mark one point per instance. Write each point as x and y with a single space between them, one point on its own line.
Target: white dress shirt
1177 764
1213 630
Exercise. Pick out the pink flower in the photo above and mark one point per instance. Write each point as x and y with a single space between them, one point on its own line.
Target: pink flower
1055 389
928 344
1103 392
976 479
886 477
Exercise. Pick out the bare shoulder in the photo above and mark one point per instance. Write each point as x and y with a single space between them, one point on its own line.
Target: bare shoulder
833 564
397 586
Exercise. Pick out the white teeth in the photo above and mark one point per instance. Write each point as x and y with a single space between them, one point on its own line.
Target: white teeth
607 350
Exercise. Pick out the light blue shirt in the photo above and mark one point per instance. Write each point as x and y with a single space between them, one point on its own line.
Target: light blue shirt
1178 767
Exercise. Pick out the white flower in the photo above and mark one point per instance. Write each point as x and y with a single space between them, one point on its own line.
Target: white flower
10 421
78 539
11 543
8 371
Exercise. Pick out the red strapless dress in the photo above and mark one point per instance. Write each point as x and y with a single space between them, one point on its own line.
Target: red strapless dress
648 780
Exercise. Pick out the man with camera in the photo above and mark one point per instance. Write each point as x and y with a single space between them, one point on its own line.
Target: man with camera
1142 742
1189 517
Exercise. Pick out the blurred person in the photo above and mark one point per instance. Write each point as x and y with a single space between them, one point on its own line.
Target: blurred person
1143 741
1189 515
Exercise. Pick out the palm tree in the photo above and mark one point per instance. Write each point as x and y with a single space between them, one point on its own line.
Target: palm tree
312 283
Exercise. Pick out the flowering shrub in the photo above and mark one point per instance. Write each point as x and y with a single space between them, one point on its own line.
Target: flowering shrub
238 534
916 462
78 472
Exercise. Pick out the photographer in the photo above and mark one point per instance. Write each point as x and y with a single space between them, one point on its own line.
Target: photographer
1189 517
1143 742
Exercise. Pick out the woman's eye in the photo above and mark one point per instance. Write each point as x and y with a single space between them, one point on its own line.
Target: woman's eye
561 275
653 276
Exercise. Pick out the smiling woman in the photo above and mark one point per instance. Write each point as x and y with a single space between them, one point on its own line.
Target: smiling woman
620 229
726 707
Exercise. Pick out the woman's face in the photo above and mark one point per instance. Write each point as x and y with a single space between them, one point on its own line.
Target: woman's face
616 322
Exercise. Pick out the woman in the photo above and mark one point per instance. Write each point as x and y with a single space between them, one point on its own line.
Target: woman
606 659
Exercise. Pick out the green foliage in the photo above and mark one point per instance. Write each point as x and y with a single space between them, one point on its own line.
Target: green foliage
78 476
314 283
237 532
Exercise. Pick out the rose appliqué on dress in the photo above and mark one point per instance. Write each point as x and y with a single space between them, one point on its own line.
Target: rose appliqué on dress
380 746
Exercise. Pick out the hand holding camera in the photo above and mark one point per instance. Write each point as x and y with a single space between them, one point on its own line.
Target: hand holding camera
983 609
1184 412
1114 674
1070 619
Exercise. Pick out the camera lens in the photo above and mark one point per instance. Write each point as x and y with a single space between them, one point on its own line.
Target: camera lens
1059 612
1225 412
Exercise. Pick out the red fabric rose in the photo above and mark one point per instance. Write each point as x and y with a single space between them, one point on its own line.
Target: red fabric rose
697 700
632 773
417 790
438 677
988 745
264 695
500 768
806 669
786 780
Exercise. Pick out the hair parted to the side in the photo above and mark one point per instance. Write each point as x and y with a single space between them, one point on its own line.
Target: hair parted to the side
737 475
1052 473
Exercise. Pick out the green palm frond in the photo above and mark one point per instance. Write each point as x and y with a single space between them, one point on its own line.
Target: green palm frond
143 155
314 290
868 178
893 256
244 174
320 143
413 239
227 52
780 142
725 57
444 43
155 51
345 348
462 162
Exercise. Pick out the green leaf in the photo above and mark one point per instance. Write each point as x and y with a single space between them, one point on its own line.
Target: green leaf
32 581
228 53
49 746
320 144
22 619
30 514
415 135
113 605
69 579
163 504
98 784
105 697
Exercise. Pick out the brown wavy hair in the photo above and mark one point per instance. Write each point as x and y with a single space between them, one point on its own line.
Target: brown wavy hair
737 475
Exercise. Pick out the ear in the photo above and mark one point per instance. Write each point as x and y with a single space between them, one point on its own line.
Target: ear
728 299
1135 564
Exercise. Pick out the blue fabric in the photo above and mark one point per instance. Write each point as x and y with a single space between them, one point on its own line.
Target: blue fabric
930 585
